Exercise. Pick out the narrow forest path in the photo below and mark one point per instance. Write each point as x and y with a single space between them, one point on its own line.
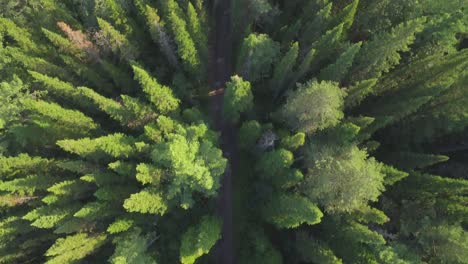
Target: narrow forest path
220 72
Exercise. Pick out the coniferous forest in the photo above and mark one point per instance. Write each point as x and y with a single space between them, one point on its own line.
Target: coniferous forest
234 131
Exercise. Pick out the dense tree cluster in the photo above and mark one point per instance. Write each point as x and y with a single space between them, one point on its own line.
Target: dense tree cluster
349 120
367 100
103 158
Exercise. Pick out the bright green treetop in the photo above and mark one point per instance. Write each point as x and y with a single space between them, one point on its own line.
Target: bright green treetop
238 98
313 106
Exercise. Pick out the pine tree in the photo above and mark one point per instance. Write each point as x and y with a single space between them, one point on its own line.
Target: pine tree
283 70
314 28
445 243
198 31
347 177
258 248
113 145
193 160
327 100
304 67
411 160
327 46
12 95
50 116
21 36
256 57
338 70
131 248
359 91
147 201
73 248
346 16
293 142
238 98
118 43
381 54
159 34
161 96
311 250
64 44
59 88
290 211
185 43
249 133
77 40
199 239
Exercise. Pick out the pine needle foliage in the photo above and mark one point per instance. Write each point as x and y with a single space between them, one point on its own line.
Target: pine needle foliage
344 122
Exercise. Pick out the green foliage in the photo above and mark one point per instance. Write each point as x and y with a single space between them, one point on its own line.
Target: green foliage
95 169
48 216
311 250
64 44
197 30
393 175
148 201
327 101
28 185
249 133
58 88
444 244
71 123
293 142
341 179
12 95
359 91
185 43
23 165
398 253
148 174
305 65
131 248
193 160
290 211
85 175
346 16
259 248
161 96
238 98
199 239
20 35
315 27
120 225
327 46
74 248
381 54
117 41
257 56
378 16
411 160
437 199
338 70
283 70
115 145
159 35
274 162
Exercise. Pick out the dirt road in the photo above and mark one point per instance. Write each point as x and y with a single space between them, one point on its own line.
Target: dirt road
220 69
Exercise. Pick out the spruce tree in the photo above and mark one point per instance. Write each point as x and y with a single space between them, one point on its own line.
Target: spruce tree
238 98
326 100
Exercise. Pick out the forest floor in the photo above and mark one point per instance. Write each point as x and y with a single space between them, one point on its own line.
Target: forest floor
220 72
